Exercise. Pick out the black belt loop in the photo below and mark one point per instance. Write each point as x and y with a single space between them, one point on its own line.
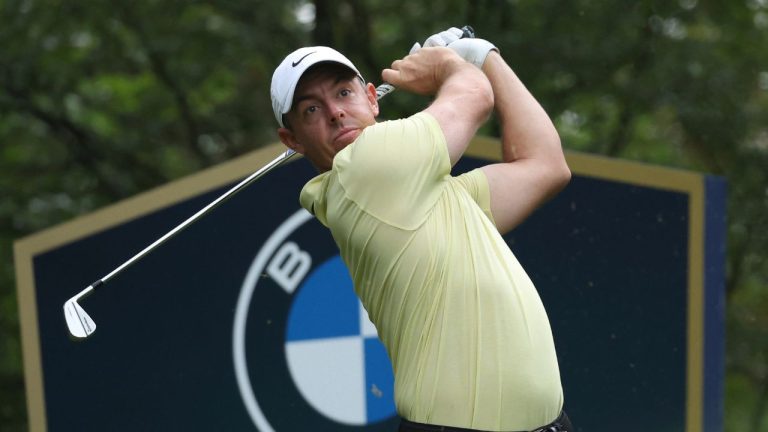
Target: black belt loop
561 424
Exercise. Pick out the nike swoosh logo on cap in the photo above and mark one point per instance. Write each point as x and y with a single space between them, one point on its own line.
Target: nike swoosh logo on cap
296 63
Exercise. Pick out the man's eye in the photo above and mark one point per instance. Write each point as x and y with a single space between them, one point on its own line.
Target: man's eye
310 109
345 92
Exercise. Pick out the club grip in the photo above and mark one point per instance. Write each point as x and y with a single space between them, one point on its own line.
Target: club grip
467 32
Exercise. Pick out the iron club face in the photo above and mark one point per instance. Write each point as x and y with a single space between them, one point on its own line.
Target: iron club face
79 323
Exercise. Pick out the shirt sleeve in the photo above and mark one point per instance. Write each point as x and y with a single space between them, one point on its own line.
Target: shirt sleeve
476 184
395 170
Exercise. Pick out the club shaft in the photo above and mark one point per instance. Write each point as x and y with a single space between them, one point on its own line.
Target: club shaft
383 90
284 157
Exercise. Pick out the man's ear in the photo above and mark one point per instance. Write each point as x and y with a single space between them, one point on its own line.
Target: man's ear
289 139
371 93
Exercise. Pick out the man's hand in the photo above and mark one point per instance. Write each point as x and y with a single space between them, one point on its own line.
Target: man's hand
444 38
472 50
423 71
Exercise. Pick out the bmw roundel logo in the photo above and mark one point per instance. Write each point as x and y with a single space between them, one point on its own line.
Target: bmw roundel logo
306 357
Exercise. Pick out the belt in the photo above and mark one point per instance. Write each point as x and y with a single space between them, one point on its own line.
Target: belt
561 424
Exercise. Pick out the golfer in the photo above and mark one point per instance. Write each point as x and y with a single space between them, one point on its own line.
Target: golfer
464 327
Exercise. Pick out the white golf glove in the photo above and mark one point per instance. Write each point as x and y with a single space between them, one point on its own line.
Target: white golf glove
472 50
441 39
444 38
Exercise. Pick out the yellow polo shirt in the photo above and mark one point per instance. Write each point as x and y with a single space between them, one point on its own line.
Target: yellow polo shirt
464 327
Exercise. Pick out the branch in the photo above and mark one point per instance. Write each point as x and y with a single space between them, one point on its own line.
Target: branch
713 163
323 31
736 258
160 70
362 35
75 139
81 143
618 140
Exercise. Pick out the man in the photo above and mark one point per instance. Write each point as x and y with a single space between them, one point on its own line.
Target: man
465 330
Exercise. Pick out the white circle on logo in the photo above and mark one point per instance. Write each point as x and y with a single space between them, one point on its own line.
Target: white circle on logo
241 316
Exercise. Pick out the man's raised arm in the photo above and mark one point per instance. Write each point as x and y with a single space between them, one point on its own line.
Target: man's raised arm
534 167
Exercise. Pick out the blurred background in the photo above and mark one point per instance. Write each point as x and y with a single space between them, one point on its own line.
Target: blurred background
102 100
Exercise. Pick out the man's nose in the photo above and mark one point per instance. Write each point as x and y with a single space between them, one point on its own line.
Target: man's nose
337 112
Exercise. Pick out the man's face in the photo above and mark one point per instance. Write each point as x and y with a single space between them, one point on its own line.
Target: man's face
331 107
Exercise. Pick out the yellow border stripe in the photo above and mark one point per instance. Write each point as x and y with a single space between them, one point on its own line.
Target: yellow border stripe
30 338
695 397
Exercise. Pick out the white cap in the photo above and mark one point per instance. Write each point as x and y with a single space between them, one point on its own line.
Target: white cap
287 75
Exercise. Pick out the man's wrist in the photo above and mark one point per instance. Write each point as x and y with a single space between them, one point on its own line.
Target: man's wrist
493 57
451 64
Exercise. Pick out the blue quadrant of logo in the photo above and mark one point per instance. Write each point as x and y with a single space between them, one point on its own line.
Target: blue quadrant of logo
379 382
325 305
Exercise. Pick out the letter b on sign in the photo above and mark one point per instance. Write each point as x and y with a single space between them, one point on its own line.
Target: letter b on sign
289 266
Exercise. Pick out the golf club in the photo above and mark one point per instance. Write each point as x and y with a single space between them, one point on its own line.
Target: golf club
81 325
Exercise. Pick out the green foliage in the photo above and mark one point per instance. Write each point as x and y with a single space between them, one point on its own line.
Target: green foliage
102 100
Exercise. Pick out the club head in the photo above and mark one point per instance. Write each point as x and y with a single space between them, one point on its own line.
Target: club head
79 322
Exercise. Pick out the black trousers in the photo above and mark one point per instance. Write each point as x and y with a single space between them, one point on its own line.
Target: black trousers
561 424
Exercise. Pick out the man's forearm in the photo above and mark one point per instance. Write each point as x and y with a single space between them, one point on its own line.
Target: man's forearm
527 131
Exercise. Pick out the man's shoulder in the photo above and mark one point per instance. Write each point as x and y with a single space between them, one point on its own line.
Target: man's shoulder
392 135
420 120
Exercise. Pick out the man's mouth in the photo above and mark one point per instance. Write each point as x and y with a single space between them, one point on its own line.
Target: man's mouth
347 135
